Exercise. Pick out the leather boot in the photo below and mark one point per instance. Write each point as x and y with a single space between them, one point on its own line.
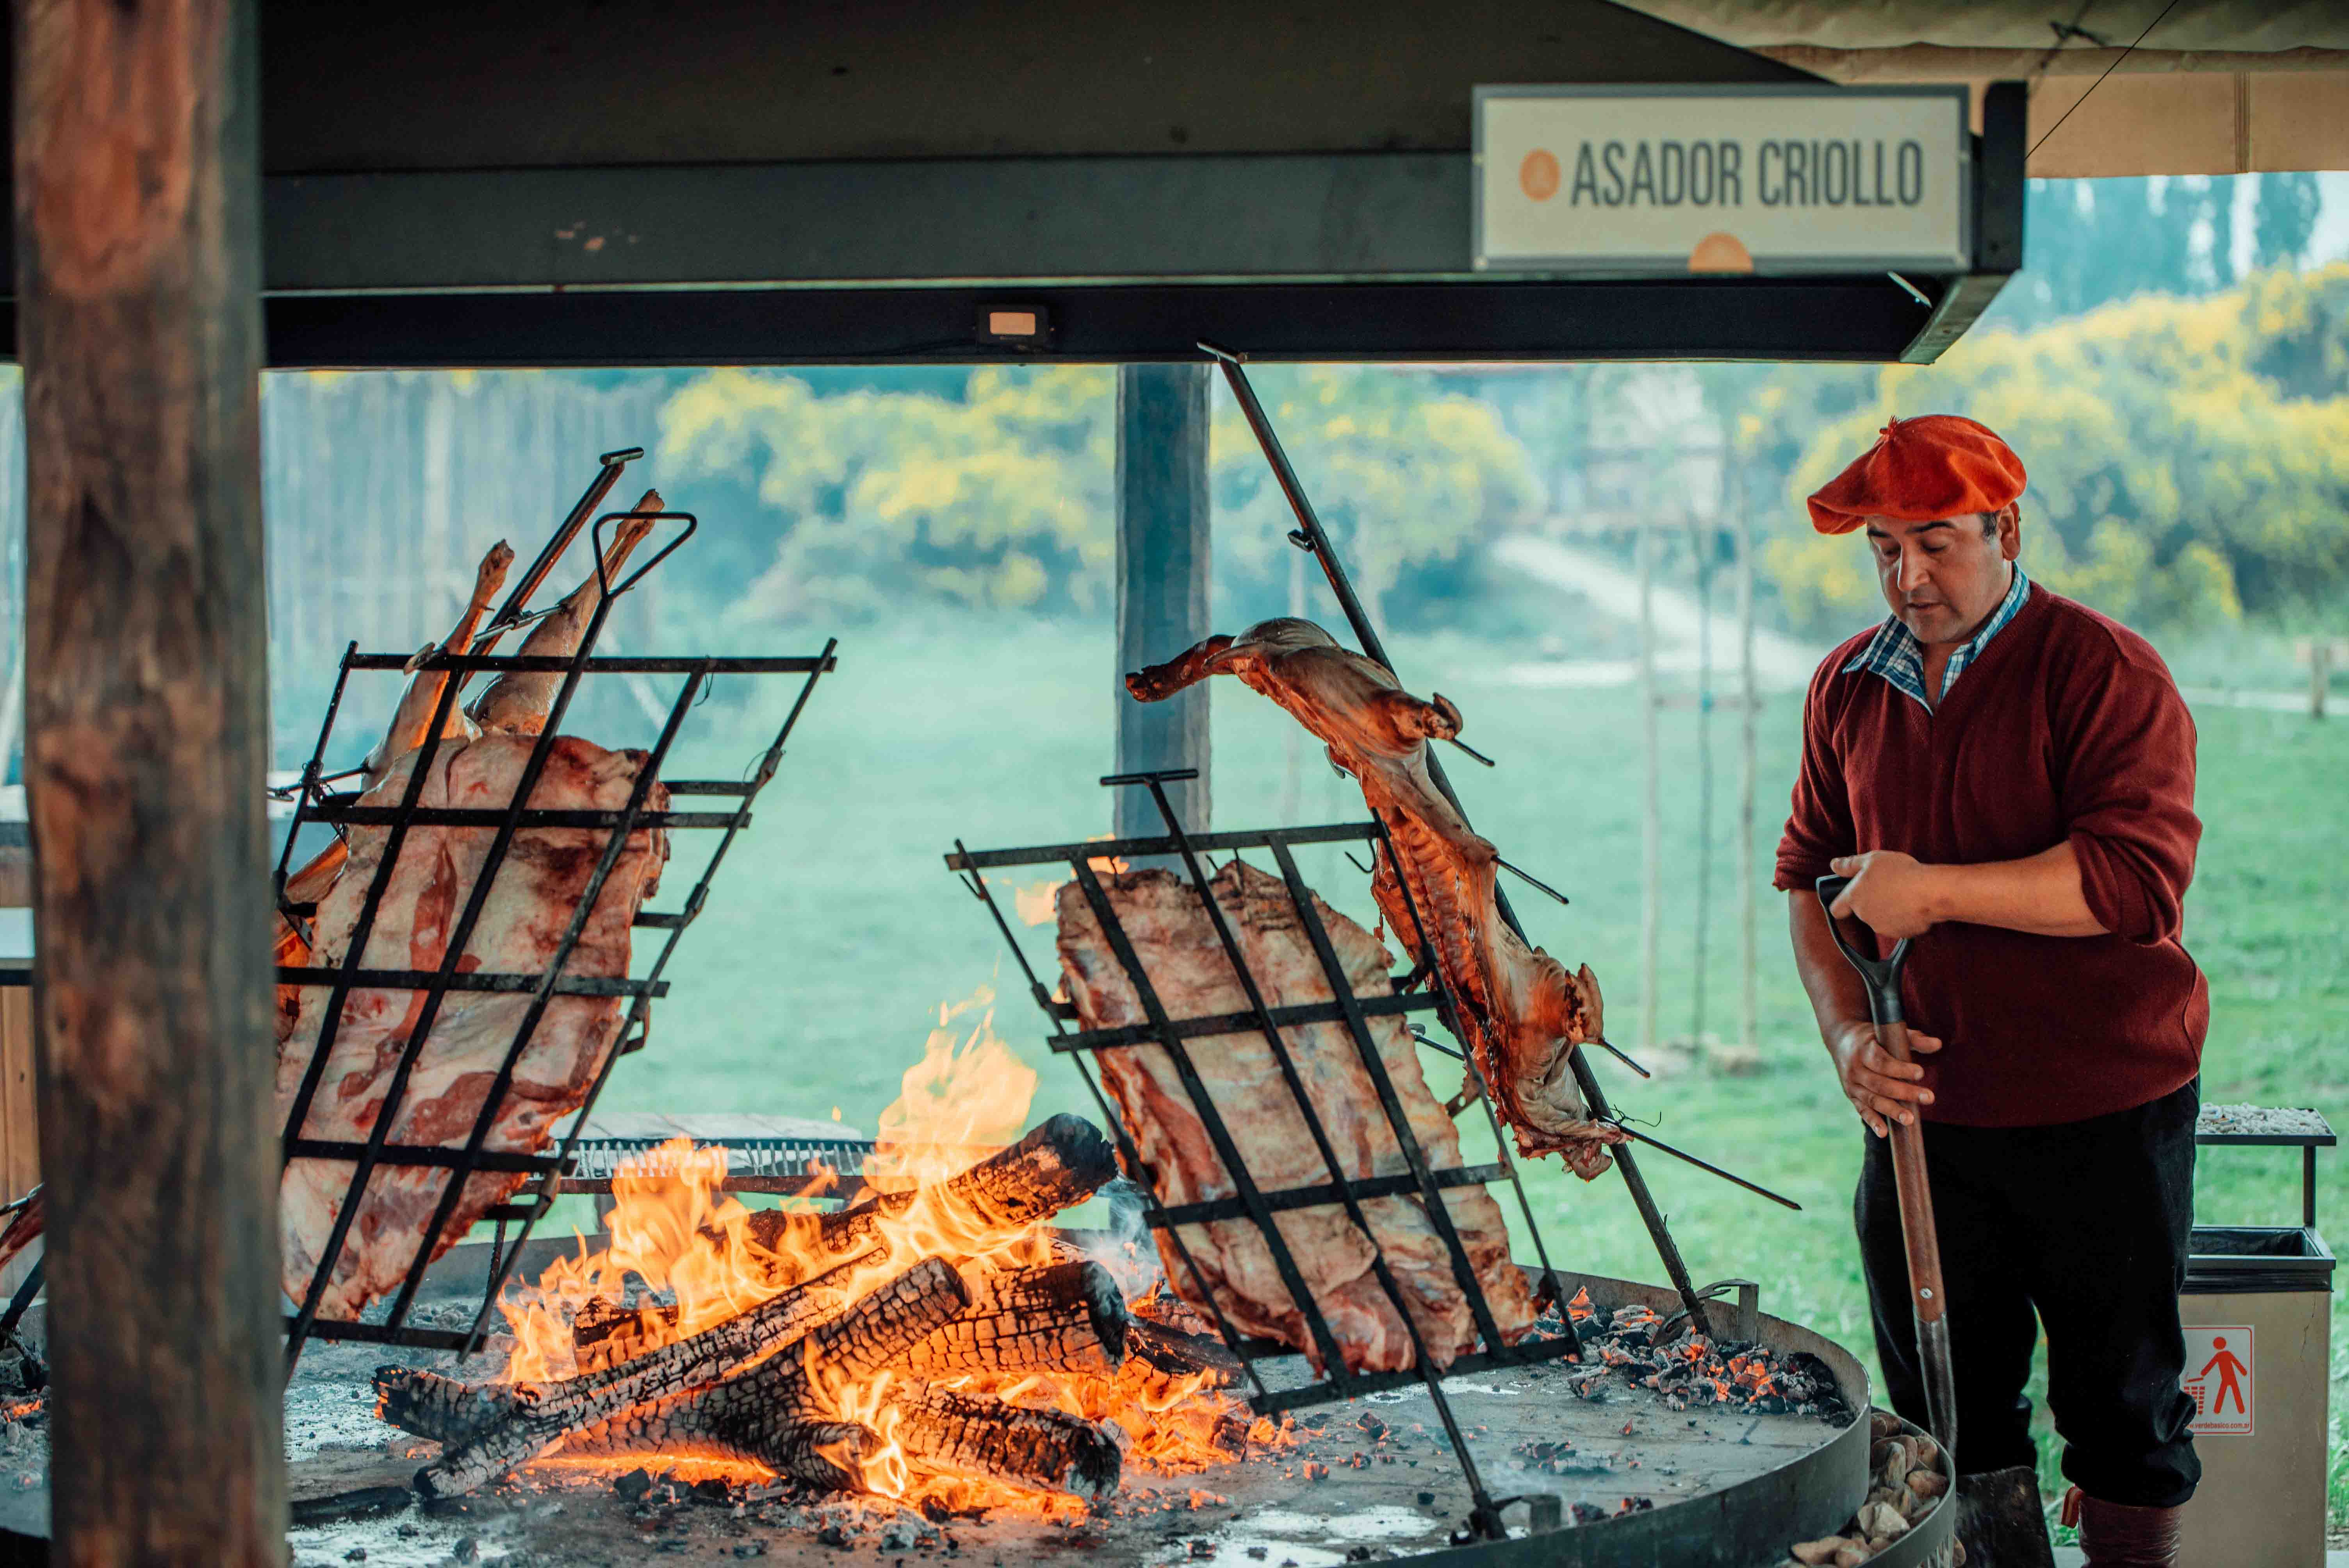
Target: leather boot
2000 1520
2116 1535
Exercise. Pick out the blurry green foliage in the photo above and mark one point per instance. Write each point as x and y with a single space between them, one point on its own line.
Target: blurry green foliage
1002 497
1405 475
997 499
2189 458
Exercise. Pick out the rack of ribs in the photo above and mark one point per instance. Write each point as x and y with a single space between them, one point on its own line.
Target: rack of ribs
1176 944
1521 1011
479 762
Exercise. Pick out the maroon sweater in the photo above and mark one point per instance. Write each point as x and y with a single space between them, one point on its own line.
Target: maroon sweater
2066 726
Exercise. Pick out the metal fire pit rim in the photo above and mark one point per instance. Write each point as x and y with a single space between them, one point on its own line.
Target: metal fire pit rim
1747 1524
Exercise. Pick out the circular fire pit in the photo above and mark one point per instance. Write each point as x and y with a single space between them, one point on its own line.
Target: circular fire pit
1715 1485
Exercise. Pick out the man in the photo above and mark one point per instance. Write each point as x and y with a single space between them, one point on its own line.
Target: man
2009 777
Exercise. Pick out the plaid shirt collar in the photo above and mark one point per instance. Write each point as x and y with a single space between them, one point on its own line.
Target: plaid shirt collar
1895 653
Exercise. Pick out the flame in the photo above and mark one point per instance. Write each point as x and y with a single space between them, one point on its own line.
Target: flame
884 1470
673 1231
966 1097
1038 902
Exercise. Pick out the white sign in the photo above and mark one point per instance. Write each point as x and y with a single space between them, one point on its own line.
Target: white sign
2219 1380
1747 179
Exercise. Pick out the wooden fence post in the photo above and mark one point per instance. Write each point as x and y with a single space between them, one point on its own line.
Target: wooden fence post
2319 654
138 270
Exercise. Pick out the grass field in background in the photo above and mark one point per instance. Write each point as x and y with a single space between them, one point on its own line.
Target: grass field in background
834 932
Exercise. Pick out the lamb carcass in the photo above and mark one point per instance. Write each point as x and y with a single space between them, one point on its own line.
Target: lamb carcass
1178 949
478 763
1521 1010
409 721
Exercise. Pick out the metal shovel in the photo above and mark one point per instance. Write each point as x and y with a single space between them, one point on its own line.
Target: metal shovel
1926 1297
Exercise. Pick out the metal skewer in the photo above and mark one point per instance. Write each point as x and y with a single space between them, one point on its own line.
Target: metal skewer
1606 1044
1521 872
1418 1033
1662 1148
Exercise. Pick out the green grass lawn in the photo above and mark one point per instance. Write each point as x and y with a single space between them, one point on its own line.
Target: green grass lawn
835 932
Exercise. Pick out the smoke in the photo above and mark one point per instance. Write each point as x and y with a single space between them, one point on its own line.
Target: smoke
1125 1247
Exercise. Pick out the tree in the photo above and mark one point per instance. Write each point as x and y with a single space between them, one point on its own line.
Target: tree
1001 497
2091 243
997 499
2284 219
2175 478
1403 475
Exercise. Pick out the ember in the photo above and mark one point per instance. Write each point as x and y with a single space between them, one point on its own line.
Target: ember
934 1343
1690 1370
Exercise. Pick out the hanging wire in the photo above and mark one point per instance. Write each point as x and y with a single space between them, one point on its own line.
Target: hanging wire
2108 70
2064 33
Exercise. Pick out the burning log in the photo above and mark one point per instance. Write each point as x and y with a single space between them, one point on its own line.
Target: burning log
1058 1165
825 1386
1180 1355
1063 1317
500 1426
821 1453
976 1436
680 1398
441 1409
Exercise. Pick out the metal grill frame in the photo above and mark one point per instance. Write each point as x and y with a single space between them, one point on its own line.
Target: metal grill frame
1251 1201
313 803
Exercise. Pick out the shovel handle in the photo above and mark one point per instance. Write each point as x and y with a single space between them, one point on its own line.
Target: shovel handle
1917 1232
1928 1301
1881 971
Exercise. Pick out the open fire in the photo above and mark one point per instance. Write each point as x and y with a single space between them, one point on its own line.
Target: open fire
937 1342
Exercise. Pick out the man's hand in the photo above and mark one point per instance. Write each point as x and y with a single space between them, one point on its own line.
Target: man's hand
1877 1084
1897 894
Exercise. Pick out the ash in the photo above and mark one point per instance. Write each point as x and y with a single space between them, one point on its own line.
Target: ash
1635 1348
2261 1121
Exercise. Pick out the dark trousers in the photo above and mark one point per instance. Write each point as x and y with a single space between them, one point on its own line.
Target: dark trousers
2086 1225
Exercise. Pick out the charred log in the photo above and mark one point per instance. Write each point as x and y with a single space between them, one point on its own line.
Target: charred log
973 1435
441 1409
1059 1165
757 1414
1063 1317
491 1427
1180 1355
828 1454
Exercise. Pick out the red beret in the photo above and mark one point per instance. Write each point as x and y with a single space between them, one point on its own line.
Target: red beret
1920 471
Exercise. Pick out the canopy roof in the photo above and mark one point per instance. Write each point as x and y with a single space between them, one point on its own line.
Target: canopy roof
569 182
2218 87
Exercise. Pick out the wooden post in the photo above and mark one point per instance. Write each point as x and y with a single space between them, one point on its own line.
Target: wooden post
139 323
1749 718
1701 539
1162 582
1652 810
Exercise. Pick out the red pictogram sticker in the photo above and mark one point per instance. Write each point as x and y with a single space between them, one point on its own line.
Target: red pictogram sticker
2220 1380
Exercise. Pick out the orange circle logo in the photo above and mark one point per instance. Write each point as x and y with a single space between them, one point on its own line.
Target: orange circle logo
1538 175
